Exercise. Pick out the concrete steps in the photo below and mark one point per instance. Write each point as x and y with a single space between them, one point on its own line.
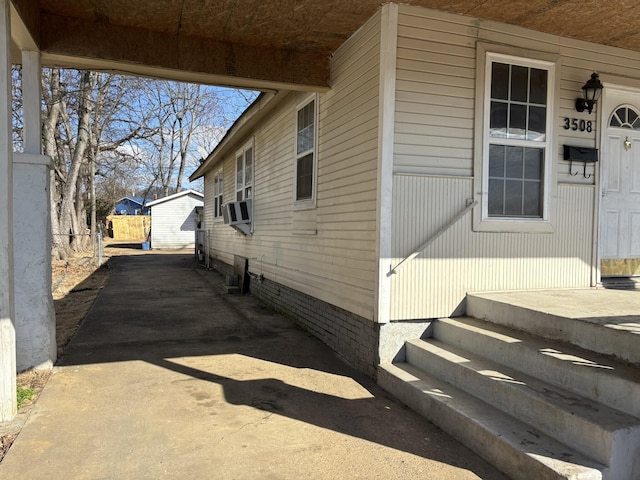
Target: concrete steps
519 450
589 427
592 375
559 315
534 407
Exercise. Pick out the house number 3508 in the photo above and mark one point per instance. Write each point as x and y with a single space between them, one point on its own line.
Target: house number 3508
575 125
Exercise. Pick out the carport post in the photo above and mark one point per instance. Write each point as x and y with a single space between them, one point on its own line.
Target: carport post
34 311
7 307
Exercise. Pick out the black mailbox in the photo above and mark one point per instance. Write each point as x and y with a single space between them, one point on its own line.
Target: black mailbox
580 154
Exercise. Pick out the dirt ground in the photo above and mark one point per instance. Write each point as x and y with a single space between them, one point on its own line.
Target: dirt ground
75 285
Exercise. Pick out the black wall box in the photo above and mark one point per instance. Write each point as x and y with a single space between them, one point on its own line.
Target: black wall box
580 154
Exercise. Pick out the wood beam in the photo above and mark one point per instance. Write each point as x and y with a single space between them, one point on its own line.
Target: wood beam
81 44
25 24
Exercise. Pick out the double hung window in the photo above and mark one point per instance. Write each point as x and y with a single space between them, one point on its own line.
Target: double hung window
244 172
218 188
516 154
305 168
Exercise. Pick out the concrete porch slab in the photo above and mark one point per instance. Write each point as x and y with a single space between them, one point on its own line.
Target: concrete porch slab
594 305
601 320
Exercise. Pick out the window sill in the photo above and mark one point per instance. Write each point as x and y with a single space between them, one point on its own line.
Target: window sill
304 232
513 225
304 205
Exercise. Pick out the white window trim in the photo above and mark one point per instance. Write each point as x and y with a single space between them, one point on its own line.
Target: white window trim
219 173
309 202
481 220
241 153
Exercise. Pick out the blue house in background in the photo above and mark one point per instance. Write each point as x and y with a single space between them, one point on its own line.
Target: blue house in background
132 206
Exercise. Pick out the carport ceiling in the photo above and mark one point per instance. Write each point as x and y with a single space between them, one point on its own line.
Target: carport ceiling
272 42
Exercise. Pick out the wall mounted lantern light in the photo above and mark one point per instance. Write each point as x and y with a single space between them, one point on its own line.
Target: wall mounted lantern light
591 93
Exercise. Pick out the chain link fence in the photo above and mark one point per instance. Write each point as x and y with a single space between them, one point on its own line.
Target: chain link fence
97 250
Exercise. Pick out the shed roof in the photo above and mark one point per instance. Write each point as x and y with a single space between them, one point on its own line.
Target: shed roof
139 200
175 196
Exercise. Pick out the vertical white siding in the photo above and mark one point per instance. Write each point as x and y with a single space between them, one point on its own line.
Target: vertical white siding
460 261
173 223
329 251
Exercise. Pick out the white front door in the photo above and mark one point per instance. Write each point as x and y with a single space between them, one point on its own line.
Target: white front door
620 205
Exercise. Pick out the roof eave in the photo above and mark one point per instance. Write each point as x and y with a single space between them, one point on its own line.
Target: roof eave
176 195
248 120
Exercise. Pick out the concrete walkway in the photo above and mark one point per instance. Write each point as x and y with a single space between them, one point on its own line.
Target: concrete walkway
168 378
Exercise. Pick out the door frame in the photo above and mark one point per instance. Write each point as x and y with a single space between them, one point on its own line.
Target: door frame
610 99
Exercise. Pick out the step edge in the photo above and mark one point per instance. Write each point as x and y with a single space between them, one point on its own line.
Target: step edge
481 325
547 328
593 383
592 428
518 375
586 466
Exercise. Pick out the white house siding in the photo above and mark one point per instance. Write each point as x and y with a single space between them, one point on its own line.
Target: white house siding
436 82
173 223
435 92
328 252
460 261
209 196
434 156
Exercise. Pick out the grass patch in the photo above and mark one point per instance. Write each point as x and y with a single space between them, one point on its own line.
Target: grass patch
24 394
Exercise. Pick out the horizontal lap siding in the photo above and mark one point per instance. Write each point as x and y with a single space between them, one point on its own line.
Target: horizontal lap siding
337 263
435 91
347 177
577 61
219 235
435 283
209 200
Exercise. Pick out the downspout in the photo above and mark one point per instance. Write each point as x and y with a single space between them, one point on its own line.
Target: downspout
597 193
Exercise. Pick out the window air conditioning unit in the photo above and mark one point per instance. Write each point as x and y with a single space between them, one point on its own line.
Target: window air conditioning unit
238 215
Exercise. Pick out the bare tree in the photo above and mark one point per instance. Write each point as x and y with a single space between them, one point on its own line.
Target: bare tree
118 120
191 119
129 132
181 107
16 108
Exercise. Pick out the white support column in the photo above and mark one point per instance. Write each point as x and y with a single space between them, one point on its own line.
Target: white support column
34 311
7 308
386 124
